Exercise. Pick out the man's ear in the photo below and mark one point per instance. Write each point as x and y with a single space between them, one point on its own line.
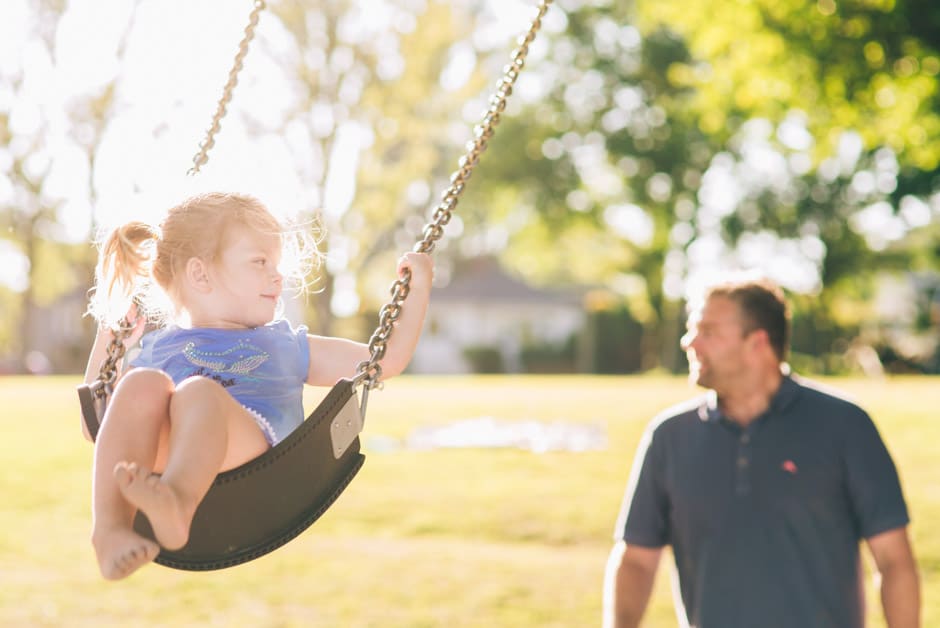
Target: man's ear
760 337
197 274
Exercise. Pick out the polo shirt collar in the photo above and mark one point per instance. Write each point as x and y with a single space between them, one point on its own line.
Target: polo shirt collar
786 393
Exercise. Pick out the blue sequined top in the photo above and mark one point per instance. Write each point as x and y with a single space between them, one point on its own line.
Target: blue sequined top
263 368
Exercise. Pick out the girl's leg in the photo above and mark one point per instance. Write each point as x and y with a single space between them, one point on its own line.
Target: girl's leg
134 427
209 432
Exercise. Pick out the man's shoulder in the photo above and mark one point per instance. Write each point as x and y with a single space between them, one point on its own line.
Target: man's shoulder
827 399
680 415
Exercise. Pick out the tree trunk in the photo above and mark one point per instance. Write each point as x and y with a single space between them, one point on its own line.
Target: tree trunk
28 311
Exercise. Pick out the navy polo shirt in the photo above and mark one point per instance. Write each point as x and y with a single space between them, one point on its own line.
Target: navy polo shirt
764 521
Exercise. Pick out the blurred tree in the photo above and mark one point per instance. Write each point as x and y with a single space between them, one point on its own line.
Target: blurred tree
408 88
677 138
51 123
868 66
30 204
831 114
420 129
370 98
589 180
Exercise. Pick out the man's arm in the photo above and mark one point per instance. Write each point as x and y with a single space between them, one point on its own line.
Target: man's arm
900 584
628 582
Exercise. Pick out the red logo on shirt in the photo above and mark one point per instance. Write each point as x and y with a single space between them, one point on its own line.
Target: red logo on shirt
789 466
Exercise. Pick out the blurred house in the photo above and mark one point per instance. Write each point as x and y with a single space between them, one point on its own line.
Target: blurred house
907 336
485 320
59 336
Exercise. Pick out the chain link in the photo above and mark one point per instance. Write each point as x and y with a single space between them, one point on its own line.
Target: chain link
369 371
201 158
107 374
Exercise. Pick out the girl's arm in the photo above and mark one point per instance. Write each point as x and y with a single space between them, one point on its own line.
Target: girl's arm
99 352
332 359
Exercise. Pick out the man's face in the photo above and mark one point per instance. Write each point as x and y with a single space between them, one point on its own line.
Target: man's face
716 344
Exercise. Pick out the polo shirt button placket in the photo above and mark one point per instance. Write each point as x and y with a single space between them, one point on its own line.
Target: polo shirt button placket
742 472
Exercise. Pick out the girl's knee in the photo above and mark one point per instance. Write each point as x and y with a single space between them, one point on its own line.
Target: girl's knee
141 395
145 384
198 389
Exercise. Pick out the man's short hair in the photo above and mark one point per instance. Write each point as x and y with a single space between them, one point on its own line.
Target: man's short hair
763 306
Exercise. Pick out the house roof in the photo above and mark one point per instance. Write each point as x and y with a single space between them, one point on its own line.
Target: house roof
483 280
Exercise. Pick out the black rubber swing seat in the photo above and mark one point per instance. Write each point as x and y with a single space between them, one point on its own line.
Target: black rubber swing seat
253 509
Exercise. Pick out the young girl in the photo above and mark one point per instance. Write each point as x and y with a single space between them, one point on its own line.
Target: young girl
223 381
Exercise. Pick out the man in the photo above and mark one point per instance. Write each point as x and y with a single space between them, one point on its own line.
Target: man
763 488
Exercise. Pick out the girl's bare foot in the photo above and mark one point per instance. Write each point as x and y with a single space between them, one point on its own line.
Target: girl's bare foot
121 552
157 500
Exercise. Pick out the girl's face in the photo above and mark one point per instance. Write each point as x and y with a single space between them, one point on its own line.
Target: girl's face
246 283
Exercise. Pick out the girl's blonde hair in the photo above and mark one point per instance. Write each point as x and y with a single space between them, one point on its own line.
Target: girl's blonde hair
140 263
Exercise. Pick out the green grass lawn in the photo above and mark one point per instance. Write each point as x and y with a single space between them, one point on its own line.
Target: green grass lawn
462 537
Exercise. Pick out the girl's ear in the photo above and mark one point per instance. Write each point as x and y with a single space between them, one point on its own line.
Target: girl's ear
197 274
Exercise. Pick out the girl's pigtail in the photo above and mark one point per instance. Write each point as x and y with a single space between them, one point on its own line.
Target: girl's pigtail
124 271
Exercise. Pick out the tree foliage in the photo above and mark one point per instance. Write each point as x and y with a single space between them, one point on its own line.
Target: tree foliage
868 66
798 137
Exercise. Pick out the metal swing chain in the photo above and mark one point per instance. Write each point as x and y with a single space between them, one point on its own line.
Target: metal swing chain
202 156
369 371
107 374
